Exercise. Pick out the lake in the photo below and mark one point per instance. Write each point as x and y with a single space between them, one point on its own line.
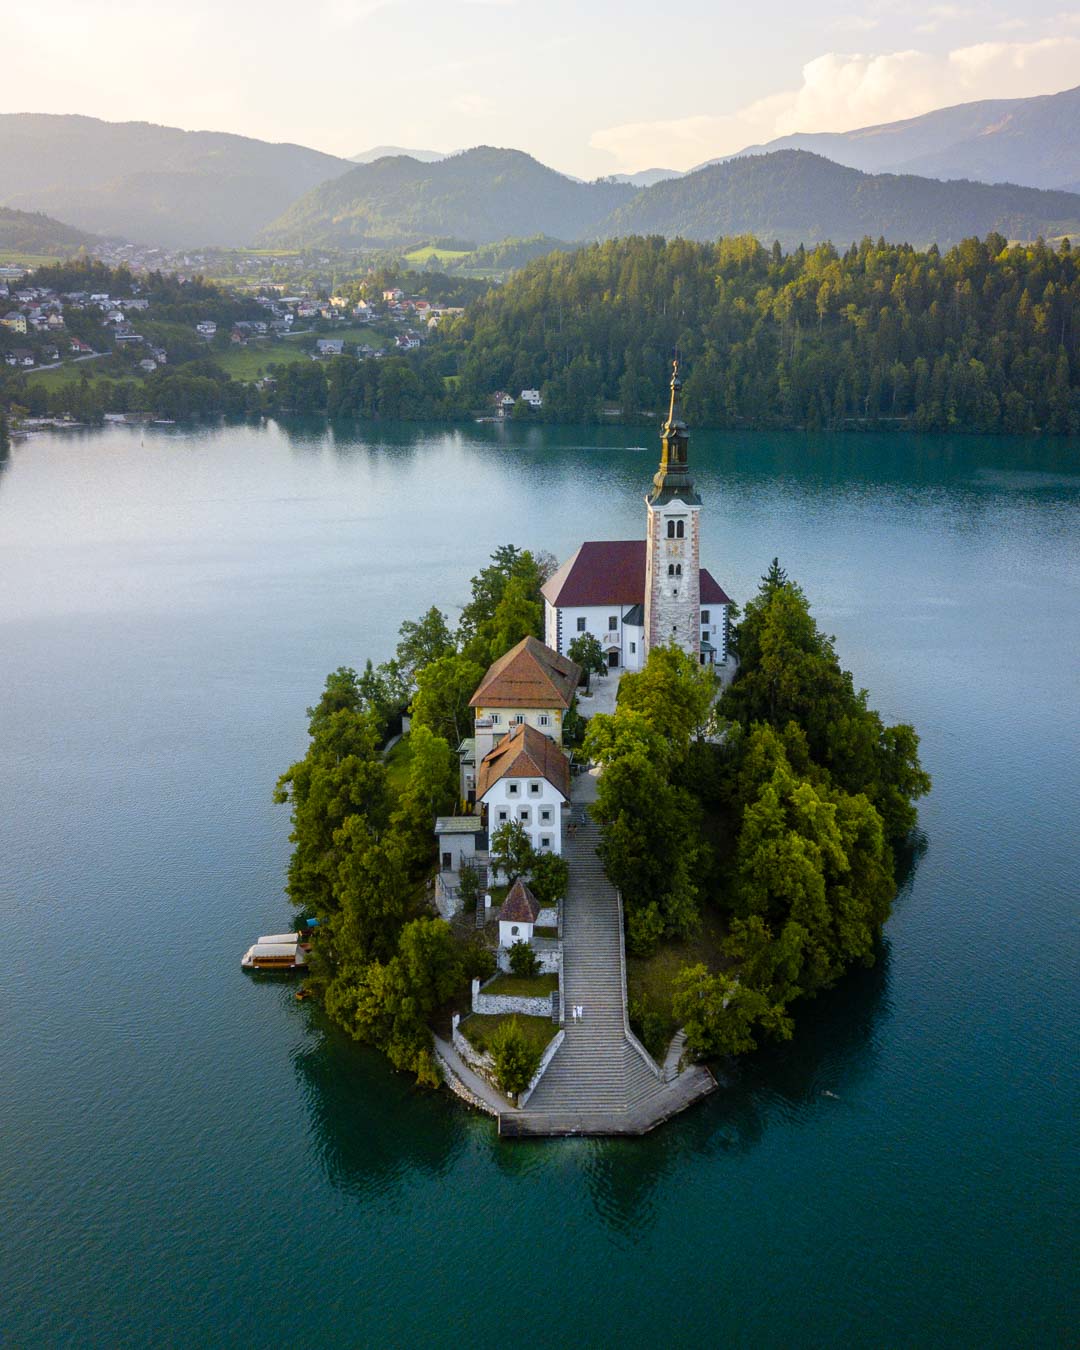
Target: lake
191 1157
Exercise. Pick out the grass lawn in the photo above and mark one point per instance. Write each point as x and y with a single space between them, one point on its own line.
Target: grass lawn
71 372
649 981
397 765
523 986
422 255
248 363
478 1029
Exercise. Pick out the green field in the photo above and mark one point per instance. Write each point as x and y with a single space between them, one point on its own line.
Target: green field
9 258
248 363
424 255
71 372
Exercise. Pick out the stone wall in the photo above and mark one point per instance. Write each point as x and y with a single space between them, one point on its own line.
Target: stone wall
548 953
458 1088
495 1004
475 1059
448 899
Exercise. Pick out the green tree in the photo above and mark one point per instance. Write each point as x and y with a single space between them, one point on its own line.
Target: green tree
585 651
523 960
511 851
516 616
673 692
516 1060
421 641
431 790
443 690
549 878
720 1014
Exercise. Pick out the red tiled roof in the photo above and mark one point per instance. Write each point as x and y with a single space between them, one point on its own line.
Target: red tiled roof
612 572
526 753
530 675
602 572
520 905
711 592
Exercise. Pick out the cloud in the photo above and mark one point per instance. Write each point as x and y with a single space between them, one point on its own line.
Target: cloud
842 91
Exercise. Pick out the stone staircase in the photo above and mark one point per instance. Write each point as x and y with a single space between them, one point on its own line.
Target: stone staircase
601 1081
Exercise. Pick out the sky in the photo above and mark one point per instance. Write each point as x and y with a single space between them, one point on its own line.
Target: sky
591 88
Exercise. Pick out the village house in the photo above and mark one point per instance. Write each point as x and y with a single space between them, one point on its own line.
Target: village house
532 398
206 328
526 779
15 321
530 685
327 347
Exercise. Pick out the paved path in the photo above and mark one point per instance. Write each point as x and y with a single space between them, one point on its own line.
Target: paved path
601 1081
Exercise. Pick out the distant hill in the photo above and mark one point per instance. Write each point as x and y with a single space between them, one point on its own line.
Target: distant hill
151 183
800 198
1031 141
645 177
483 194
392 151
32 232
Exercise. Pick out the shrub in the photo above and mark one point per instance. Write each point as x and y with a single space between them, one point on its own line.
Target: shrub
549 879
523 960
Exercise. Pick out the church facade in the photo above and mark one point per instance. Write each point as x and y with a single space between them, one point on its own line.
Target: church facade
634 594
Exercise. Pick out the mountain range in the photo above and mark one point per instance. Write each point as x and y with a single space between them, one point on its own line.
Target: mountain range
161 185
33 232
150 183
1031 141
800 198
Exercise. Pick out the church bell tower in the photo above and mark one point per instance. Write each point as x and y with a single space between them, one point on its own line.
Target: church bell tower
673 545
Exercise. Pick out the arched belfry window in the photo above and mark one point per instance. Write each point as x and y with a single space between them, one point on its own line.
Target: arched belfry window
678 529
671 569
671 529
678 569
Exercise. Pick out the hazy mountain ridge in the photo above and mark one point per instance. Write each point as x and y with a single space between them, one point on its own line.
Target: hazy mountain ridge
798 197
152 183
1034 142
485 194
35 232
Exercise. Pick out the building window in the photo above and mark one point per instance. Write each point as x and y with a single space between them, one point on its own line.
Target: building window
704 635
612 623
581 625
671 529
534 789
514 931
704 616
494 719
633 648
524 815
678 529
545 815
671 569
545 841
543 720
504 816
511 789
518 719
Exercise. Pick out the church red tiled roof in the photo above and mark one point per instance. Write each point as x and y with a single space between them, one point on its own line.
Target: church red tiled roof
612 572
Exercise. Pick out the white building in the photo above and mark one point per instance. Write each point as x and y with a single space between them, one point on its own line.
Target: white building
517 915
633 594
532 398
526 778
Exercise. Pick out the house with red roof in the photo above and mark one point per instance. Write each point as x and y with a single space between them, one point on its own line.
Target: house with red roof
526 779
633 594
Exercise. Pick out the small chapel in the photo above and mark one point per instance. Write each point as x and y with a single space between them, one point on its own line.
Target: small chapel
635 594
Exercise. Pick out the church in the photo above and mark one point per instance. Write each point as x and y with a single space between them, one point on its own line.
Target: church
635 594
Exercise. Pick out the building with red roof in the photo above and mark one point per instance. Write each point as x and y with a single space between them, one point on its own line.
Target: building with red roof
632 594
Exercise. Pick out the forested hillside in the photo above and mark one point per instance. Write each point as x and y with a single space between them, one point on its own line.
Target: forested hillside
483 195
983 337
800 198
33 232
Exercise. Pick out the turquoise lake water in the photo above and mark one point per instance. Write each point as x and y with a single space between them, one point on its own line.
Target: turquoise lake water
188 1156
